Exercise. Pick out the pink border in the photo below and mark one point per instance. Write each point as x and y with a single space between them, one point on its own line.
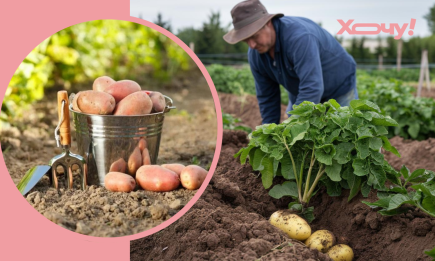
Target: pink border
28 233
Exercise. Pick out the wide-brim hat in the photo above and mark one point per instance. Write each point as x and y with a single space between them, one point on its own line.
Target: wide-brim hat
248 18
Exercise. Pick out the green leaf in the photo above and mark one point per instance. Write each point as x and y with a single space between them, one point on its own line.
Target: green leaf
286 189
365 189
383 202
428 203
416 174
364 132
398 200
308 214
295 206
354 185
377 176
252 155
378 158
298 132
384 121
245 154
343 152
239 153
380 130
287 168
375 143
363 105
360 167
392 212
354 123
333 171
340 118
333 136
334 103
267 172
362 146
325 153
388 147
258 158
430 253
414 129
405 172
303 109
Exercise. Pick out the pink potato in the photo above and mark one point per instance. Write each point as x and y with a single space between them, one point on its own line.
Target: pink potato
134 161
142 143
175 167
121 89
101 83
119 182
138 103
146 159
156 178
118 166
94 102
192 177
158 100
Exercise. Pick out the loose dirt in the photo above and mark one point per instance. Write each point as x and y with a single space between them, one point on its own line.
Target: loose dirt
228 222
188 137
224 223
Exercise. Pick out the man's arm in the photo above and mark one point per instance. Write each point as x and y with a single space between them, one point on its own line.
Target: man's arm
268 96
308 67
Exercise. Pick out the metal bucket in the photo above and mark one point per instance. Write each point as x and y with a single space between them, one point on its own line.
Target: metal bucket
104 139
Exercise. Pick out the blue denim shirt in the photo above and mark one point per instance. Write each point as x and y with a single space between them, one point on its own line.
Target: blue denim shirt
309 62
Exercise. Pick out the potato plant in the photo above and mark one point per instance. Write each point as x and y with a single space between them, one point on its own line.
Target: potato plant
338 147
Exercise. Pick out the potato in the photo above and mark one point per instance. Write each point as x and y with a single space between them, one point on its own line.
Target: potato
175 167
121 89
118 166
142 144
134 161
138 103
341 252
119 182
94 102
146 159
192 177
158 100
295 226
321 240
74 102
101 83
156 178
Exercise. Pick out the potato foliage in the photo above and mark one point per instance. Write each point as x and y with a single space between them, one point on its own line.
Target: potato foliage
338 147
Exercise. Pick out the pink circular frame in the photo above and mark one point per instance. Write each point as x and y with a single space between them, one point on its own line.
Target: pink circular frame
26 232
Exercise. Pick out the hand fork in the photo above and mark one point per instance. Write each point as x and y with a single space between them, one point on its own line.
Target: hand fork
63 139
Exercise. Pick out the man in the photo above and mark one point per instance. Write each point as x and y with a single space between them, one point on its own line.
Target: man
293 52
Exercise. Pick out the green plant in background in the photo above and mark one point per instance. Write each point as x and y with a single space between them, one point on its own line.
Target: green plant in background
229 123
83 52
415 116
322 143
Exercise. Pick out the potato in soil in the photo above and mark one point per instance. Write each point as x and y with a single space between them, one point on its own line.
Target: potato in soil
119 182
157 178
295 226
192 177
321 240
341 252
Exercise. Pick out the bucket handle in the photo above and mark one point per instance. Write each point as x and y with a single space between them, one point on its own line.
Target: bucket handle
169 104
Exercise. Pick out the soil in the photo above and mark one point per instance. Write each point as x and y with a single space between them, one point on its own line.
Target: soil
425 92
188 137
229 221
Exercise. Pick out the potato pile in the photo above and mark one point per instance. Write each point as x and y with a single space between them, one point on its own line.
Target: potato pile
122 98
156 178
322 240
